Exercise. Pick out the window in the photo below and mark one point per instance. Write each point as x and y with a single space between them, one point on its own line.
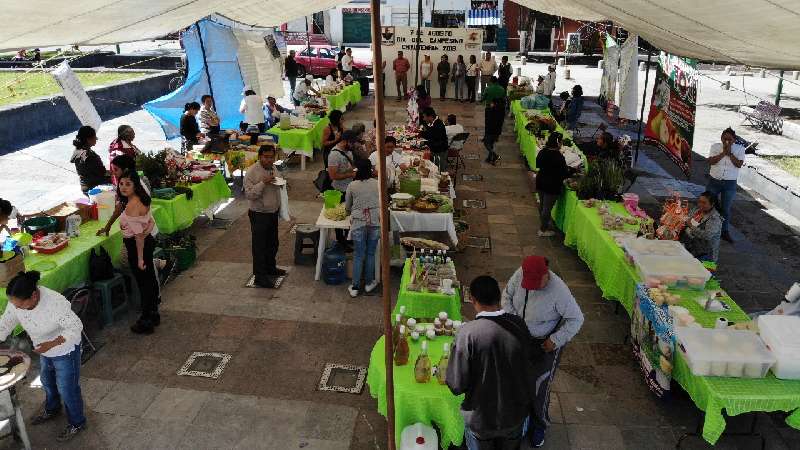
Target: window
308 52
326 53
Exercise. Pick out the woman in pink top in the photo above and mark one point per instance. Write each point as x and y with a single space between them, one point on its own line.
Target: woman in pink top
136 223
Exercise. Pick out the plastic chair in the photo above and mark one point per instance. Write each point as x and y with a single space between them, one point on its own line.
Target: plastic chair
305 233
105 289
454 157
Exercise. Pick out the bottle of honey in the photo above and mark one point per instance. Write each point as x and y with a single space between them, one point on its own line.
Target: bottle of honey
441 371
396 330
422 368
401 352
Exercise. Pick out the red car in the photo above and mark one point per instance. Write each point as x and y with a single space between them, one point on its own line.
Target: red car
319 61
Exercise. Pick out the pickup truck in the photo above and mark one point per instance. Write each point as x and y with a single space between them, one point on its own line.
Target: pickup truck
319 60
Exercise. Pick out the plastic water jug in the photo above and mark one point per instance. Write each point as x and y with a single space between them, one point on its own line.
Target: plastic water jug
418 437
332 198
334 265
105 201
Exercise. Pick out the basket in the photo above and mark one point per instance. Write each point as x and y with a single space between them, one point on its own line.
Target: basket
184 256
10 268
50 250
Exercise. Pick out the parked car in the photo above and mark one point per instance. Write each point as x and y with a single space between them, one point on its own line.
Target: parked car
319 61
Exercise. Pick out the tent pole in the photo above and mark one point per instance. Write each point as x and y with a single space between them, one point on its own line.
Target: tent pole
380 130
780 88
205 62
416 45
644 97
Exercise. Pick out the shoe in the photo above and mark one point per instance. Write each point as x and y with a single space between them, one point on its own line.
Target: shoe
265 283
277 272
353 291
726 236
548 233
537 438
143 327
155 319
496 158
371 287
70 432
45 416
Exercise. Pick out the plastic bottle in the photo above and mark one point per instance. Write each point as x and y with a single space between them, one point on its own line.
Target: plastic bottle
422 368
401 353
441 371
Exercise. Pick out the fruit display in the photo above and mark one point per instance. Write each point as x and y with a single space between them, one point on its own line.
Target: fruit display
337 213
51 243
423 244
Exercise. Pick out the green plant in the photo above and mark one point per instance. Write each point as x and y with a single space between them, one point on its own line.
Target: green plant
602 181
153 166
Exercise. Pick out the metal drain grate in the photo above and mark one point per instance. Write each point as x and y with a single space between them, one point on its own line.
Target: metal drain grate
475 204
481 242
277 282
342 378
471 177
293 230
205 364
472 156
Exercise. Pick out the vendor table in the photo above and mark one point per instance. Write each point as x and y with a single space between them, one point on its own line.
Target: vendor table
179 213
349 95
70 266
302 141
583 231
426 305
428 403
528 144
402 221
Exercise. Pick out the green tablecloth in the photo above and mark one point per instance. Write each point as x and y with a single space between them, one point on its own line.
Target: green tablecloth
71 265
583 231
301 141
528 143
350 95
737 396
179 213
427 403
426 305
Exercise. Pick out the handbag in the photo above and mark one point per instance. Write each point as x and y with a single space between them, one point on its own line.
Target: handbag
100 267
323 182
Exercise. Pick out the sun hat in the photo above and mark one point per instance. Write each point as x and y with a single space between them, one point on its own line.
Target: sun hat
533 269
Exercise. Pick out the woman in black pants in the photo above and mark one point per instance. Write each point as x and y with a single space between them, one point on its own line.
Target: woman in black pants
136 223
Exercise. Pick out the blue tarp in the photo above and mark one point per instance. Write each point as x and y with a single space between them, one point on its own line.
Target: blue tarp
226 78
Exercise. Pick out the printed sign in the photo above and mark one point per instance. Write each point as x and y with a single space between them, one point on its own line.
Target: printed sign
670 124
652 342
433 42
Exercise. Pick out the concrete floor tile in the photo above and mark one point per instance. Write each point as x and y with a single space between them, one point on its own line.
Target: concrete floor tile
329 422
585 437
176 404
652 438
501 219
274 330
94 389
128 399
235 327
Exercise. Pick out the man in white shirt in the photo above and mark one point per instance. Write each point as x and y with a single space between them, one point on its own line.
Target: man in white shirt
452 128
347 62
550 81
488 68
302 90
725 159
394 160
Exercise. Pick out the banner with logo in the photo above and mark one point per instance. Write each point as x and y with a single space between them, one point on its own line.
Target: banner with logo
670 124
434 42
629 79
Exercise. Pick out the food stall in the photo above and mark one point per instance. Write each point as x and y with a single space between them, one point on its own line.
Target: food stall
302 135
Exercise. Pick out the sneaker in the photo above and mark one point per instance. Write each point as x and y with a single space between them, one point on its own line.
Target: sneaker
155 319
537 438
353 291
70 432
371 287
547 233
277 272
45 416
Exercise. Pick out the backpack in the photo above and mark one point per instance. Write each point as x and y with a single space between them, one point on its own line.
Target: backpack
100 267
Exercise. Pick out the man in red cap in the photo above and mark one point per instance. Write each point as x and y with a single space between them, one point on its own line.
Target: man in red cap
553 317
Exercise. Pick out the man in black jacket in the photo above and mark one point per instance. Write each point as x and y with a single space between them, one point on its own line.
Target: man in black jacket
494 116
435 135
490 364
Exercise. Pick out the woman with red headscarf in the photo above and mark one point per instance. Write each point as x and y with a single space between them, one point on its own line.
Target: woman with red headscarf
553 317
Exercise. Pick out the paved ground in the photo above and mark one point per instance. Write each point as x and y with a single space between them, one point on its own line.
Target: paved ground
280 340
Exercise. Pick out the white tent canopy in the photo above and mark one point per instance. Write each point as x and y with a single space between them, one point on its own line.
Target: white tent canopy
43 23
760 33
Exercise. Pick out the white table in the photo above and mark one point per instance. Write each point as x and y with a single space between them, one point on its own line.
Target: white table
325 225
407 221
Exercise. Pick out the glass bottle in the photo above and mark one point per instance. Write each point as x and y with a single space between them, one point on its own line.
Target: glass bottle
396 330
422 368
401 353
403 318
441 371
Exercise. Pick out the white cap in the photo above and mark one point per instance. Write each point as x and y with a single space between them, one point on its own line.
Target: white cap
424 346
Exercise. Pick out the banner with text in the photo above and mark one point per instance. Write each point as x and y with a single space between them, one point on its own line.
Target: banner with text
76 96
433 42
670 124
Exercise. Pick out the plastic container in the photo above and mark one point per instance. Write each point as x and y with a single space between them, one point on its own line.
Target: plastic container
418 437
672 271
332 198
724 353
106 201
782 336
45 224
637 247
334 265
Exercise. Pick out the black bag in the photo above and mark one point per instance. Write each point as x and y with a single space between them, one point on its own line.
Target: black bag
100 267
530 345
323 182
